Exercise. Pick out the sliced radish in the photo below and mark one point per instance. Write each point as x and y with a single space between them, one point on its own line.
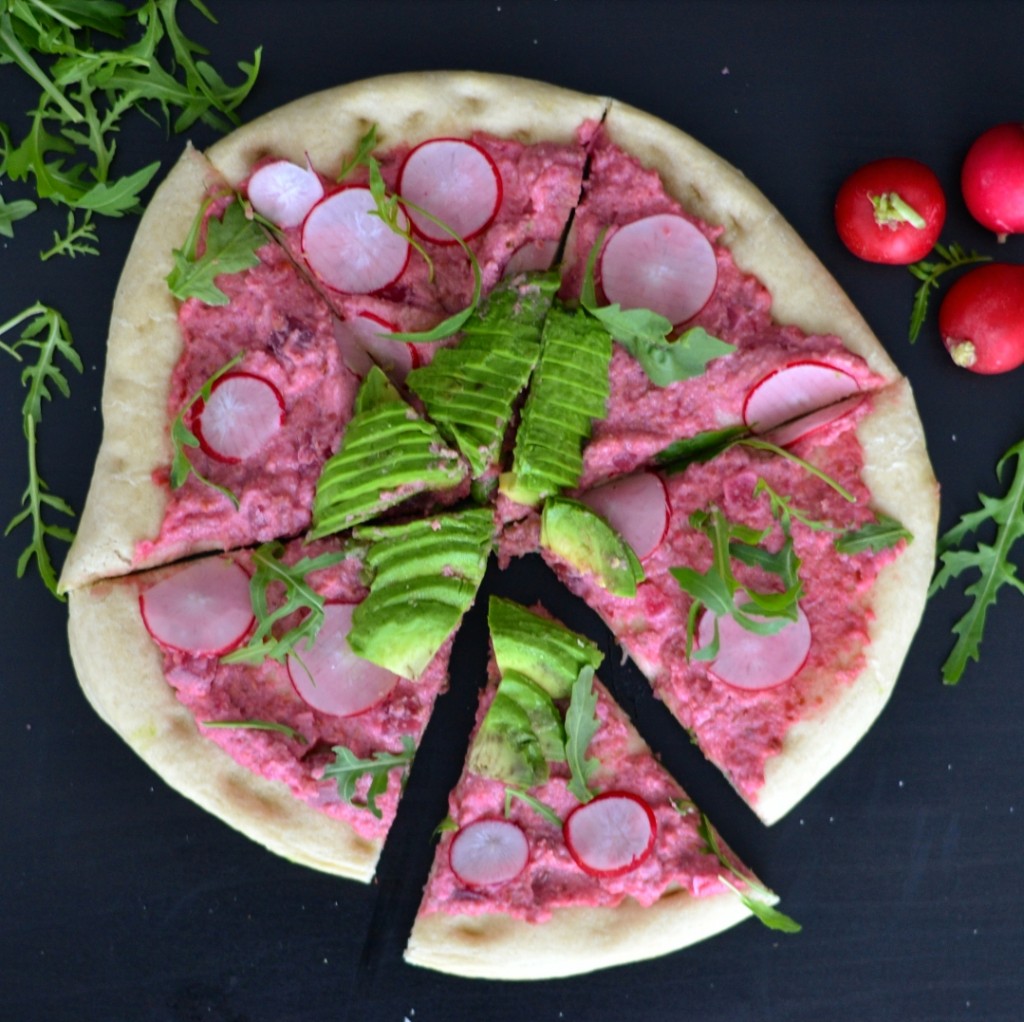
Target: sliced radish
362 345
662 263
795 390
532 256
349 247
753 661
204 609
242 413
611 834
488 852
330 677
797 429
456 182
636 507
284 192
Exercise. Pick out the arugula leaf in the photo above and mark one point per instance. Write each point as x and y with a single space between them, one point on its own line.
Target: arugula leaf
298 596
581 724
928 271
757 898
11 212
534 803
991 561
645 334
698 449
46 333
347 769
878 535
361 157
230 247
78 239
258 725
182 436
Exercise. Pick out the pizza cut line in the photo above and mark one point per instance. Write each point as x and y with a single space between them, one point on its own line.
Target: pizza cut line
367 341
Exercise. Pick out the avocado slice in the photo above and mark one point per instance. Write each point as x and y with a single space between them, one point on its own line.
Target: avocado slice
583 539
505 747
540 709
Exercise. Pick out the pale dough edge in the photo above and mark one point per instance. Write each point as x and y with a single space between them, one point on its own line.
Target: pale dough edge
120 671
573 941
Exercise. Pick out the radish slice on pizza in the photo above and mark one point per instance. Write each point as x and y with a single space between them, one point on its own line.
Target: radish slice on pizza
568 847
280 730
284 192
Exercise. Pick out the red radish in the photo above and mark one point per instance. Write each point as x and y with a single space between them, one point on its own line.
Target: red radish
753 661
992 179
636 507
796 429
532 256
203 609
981 319
349 247
890 211
242 413
455 181
662 263
488 852
362 346
284 192
795 390
612 834
330 677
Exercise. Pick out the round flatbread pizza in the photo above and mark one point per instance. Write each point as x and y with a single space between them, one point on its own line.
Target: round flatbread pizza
383 333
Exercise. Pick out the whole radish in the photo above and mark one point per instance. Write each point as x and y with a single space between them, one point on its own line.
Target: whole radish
992 179
981 319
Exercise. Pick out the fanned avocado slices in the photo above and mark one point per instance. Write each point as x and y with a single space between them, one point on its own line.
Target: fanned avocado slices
469 391
423 576
568 391
388 454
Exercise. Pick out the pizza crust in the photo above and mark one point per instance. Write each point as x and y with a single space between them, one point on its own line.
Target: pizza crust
573 941
120 670
124 504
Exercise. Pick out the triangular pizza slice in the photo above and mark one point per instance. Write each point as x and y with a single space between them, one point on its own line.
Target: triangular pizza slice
774 590
273 687
567 847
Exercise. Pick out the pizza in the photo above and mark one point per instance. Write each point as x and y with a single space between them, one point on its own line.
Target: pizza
379 335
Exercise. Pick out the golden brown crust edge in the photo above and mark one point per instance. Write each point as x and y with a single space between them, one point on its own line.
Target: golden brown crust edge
121 673
572 941
406 108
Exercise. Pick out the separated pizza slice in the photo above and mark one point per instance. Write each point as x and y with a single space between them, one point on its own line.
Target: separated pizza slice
568 847
772 592
236 677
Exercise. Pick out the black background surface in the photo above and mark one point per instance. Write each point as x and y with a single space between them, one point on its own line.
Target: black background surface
120 900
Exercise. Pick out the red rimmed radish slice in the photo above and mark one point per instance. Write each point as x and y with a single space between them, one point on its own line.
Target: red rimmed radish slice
794 390
753 661
488 852
204 609
329 677
349 247
790 432
284 192
636 507
456 182
242 413
532 256
611 834
662 263
362 345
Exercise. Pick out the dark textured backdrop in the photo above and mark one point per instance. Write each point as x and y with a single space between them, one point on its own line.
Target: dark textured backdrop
122 902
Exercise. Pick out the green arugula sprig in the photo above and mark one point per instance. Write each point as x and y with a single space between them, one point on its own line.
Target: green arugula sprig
990 560
299 595
646 334
951 257
43 331
581 724
183 438
77 239
11 212
347 769
258 725
86 90
512 794
754 896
